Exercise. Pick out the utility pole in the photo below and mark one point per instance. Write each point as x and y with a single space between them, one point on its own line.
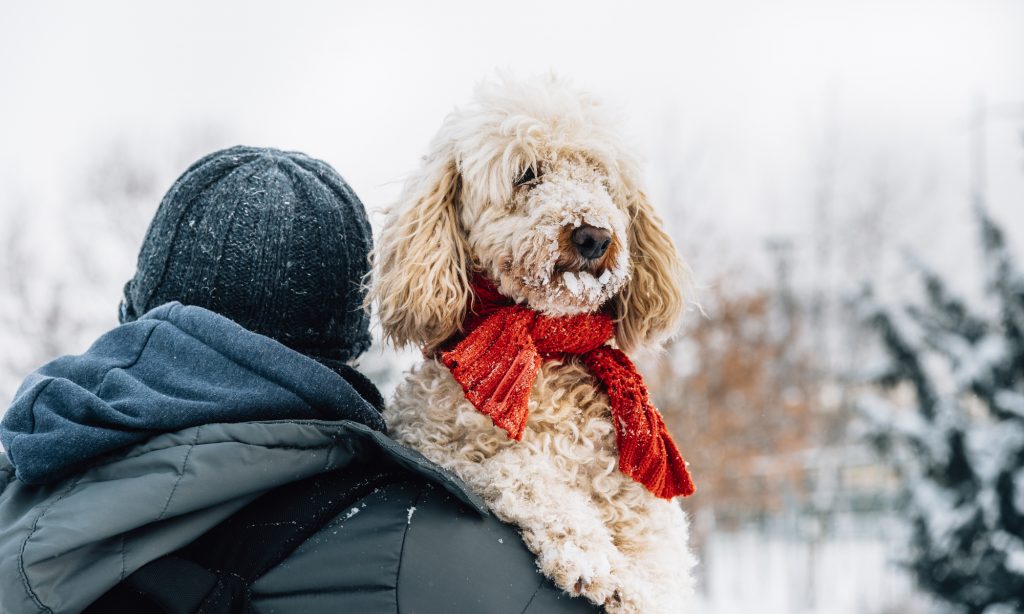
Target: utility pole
823 202
979 194
982 115
780 250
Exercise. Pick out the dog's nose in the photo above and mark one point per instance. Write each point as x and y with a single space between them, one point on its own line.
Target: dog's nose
591 242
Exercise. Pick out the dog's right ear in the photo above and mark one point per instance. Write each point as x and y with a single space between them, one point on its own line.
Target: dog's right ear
420 264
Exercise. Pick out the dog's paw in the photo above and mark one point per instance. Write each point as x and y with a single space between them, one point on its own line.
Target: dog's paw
638 597
613 605
580 570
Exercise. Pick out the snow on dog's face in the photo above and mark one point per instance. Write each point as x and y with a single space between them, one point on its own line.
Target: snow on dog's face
556 240
531 187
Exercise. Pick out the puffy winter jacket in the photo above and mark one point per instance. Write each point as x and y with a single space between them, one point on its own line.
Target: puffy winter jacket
169 425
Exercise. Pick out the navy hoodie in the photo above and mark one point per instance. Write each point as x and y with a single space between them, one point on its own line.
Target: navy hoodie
174 368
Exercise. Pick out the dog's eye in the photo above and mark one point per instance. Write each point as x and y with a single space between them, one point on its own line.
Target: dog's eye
528 176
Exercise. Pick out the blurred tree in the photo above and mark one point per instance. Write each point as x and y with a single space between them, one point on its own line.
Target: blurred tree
63 263
35 319
959 446
738 391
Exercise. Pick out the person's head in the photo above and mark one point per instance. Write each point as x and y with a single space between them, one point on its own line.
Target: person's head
274 240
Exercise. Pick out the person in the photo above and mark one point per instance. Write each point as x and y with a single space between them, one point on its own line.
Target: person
218 452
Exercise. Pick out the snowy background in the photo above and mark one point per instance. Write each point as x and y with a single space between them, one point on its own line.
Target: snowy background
797 149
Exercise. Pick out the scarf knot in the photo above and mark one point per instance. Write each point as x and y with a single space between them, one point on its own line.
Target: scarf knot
497 357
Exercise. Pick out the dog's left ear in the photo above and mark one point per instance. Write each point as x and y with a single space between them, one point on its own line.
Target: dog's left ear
648 309
420 264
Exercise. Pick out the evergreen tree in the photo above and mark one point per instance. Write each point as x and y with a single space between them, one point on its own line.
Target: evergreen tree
959 447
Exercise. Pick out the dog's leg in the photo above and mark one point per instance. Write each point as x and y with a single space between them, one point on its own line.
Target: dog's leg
559 522
654 536
518 480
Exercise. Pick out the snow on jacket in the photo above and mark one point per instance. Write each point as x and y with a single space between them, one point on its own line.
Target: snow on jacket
168 425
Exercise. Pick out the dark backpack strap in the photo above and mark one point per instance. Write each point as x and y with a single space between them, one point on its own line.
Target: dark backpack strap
169 585
212 575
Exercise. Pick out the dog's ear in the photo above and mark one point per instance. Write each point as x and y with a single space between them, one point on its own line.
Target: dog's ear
420 264
648 309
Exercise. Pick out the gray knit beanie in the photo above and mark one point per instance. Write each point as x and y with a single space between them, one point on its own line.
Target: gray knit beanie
274 240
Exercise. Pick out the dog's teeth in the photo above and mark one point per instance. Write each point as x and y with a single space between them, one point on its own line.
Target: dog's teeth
590 285
605 277
571 283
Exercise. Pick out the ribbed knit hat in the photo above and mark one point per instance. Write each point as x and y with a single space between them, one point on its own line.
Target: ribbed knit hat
274 240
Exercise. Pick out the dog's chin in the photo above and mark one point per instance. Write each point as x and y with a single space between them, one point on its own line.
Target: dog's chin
564 294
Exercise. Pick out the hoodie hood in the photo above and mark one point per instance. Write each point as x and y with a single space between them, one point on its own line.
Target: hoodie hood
174 368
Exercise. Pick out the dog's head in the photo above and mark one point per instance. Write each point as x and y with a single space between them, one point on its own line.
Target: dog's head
531 187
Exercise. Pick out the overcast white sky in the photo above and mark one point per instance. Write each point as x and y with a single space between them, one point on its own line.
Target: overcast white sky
734 103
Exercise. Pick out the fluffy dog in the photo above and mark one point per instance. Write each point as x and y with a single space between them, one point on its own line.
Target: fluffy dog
530 189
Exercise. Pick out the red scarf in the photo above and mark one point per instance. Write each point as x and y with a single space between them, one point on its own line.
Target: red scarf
497 358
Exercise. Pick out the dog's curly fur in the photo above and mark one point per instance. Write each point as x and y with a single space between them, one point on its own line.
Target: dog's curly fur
506 182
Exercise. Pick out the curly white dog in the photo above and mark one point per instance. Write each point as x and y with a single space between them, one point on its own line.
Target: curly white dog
530 189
